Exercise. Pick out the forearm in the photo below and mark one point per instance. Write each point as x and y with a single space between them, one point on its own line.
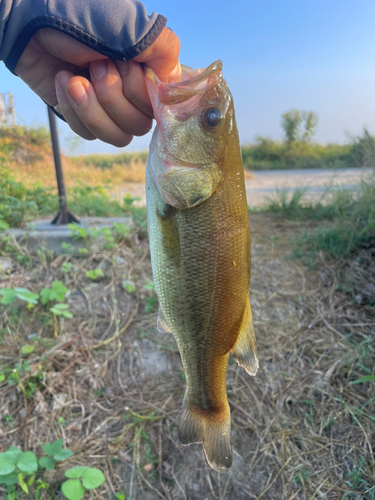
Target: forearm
120 29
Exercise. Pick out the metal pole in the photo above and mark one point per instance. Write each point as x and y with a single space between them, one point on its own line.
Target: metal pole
64 216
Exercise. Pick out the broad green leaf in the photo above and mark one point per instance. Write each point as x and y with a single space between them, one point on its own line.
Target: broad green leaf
367 378
92 478
27 349
76 472
63 454
2 377
12 454
67 314
8 296
26 295
45 295
47 462
27 462
73 489
61 307
61 310
9 479
53 448
59 291
5 466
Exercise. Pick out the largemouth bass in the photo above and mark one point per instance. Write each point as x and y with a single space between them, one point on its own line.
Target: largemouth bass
200 246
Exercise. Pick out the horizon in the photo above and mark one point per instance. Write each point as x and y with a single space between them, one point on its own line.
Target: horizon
310 57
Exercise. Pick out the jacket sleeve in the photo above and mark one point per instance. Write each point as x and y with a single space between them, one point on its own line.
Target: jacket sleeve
119 29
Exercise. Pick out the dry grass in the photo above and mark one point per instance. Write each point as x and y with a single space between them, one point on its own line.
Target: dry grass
299 429
30 167
44 172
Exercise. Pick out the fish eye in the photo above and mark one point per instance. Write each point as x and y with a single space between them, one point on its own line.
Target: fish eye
212 117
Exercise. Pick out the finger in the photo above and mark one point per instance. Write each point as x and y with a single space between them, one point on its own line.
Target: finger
134 85
108 87
82 97
66 109
162 55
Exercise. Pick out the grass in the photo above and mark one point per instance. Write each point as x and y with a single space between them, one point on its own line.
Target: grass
20 203
343 219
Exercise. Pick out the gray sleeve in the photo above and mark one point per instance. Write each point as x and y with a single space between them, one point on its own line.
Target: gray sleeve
119 29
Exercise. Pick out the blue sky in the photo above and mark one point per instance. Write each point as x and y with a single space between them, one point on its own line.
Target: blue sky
278 54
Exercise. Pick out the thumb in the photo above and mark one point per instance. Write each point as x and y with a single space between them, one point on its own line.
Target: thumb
162 55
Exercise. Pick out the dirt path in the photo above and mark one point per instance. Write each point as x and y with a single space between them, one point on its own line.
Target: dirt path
299 430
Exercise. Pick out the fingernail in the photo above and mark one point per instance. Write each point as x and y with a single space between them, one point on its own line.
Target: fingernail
98 69
77 93
62 79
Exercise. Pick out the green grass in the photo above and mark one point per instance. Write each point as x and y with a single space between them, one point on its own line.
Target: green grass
19 204
344 217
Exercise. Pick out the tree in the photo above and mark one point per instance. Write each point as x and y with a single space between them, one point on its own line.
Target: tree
299 126
310 123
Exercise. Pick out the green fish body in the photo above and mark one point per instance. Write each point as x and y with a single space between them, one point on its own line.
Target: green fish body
200 247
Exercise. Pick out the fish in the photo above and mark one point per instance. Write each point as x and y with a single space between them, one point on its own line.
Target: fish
200 246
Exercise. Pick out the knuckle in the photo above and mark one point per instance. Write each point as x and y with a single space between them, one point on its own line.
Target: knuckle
142 128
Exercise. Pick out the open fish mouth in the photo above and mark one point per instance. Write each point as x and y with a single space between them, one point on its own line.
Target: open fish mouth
193 83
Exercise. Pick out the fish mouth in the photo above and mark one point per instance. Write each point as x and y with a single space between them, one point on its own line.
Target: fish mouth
193 83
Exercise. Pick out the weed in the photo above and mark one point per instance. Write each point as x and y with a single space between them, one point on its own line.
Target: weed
61 310
302 476
66 267
57 293
20 468
94 274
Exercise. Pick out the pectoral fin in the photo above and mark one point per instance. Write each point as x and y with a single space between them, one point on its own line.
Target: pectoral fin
244 350
169 230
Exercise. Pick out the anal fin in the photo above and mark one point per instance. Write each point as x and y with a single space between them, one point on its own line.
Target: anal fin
244 350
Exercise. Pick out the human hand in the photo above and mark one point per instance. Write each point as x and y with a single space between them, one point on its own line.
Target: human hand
99 98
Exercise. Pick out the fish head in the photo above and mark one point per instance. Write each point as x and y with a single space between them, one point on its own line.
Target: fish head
194 119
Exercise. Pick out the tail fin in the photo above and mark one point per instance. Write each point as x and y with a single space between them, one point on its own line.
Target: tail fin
197 426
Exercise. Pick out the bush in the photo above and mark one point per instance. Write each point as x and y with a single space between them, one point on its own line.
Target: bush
267 154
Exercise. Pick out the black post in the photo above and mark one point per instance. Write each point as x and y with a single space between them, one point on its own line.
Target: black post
64 216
